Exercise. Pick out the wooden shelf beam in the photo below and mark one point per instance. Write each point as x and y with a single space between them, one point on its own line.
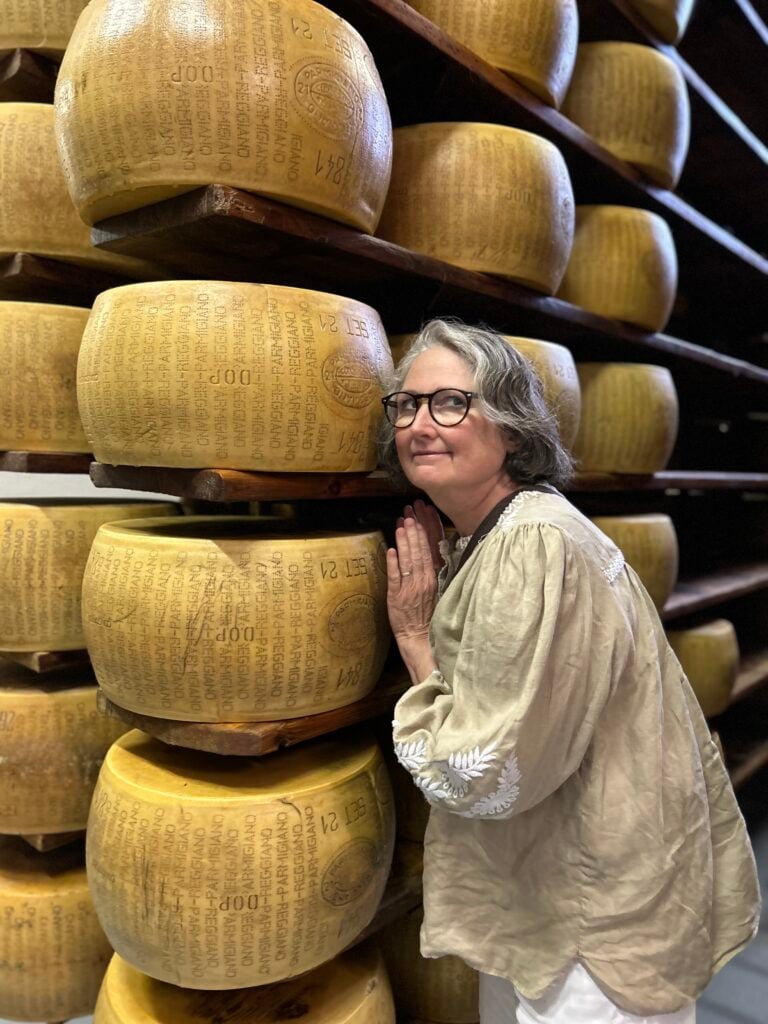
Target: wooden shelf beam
44 462
43 662
715 588
28 278
753 675
27 77
750 764
53 841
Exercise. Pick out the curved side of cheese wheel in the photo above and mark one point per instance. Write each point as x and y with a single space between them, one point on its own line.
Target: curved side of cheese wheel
43 551
38 403
629 418
669 18
250 870
484 197
352 989
241 376
709 655
45 27
623 266
313 129
534 40
633 100
54 953
649 544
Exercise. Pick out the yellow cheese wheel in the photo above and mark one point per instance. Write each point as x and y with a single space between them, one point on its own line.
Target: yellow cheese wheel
282 99
244 376
534 40
632 100
352 989
218 873
629 417
482 196
43 550
53 952
709 655
443 990
52 743
649 544
623 266
668 18
224 619
36 213
38 402
39 25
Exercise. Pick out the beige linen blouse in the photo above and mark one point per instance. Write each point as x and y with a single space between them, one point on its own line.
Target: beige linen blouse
580 810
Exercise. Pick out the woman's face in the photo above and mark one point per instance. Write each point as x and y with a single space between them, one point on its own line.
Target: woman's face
435 458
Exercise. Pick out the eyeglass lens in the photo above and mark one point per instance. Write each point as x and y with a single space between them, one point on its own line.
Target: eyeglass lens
447 406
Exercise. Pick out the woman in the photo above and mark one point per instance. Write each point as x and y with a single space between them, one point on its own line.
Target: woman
584 850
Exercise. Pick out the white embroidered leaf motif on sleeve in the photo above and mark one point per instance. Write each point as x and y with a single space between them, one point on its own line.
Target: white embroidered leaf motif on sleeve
466 765
503 797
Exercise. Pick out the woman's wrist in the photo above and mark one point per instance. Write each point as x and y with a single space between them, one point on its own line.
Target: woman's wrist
417 656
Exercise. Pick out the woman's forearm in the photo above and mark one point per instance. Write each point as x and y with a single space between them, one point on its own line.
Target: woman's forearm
418 658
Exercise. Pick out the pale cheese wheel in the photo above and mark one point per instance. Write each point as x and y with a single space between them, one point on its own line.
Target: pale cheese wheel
534 40
219 873
668 18
484 197
53 952
38 403
633 100
281 99
36 214
240 376
52 743
411 807
709 655
224 619
41 25
44 547
629 418
649 544
623 266
352 989
441 990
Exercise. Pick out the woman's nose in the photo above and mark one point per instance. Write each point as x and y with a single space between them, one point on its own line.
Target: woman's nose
423 418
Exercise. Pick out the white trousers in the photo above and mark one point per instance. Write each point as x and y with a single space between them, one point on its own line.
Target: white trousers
575 1000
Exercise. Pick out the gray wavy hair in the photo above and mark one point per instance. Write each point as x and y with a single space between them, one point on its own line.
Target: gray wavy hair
510 395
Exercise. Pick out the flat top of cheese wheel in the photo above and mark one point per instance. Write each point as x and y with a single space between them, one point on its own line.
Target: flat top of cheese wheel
625 366
288 291
445 127
51 309
715 627
70 504
45 688
24 871
215 528
645 519
624 211
147 765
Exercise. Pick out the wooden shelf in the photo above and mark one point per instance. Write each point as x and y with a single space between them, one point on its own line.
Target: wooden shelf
753 675
44 462
750 764
43 662
44 843
715 588
27 77
742 730
254 739
28 278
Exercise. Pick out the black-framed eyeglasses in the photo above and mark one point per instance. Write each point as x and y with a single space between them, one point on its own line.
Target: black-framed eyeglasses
447 406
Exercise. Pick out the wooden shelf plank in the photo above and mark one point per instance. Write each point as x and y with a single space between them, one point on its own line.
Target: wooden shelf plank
44 462
27 77
753 674
24 277
43 662
753 762
716 588
54 841
254 739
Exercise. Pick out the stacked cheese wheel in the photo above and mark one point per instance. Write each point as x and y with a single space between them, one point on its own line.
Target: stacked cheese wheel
668 18
352 989
52 741
649 544
38 403
633 100
219 873
36 213
45 27
534 40
709 655
245 376
629 417
43 551
156 99
482 196
53 951
222 619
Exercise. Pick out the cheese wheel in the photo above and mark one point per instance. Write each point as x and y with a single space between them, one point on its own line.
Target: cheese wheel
37 25
53 952
411 809
218 873
282 99
709 655
352 989
36 213
53 741
534 40
668 18
629 417
649 545
224 619
43 550
239 376
38 403
623 266
633 100
484 197
442 990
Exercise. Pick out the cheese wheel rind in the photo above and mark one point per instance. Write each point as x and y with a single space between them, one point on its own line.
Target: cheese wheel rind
43 27
668 18
709 655
649 544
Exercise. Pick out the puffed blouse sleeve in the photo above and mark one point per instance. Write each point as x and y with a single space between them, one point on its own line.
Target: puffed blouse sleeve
539 646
